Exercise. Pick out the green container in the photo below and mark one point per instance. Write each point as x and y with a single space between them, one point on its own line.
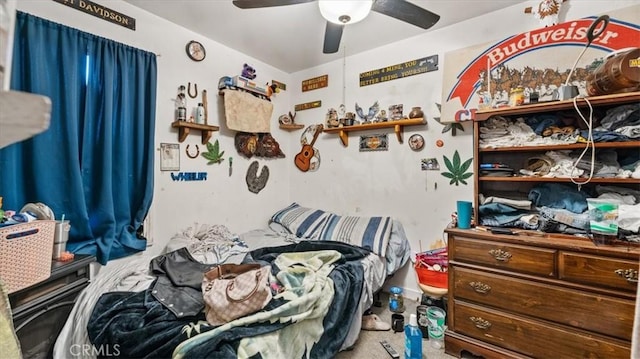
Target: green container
603 216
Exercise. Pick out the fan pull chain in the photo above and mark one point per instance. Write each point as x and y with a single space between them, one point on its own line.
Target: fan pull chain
344 70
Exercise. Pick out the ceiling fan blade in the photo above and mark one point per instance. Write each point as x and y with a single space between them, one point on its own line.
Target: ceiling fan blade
332 36
253 4
407 12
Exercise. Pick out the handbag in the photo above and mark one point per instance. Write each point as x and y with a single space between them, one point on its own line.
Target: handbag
232 291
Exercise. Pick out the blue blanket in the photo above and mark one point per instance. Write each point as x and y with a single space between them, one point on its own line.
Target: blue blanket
371 233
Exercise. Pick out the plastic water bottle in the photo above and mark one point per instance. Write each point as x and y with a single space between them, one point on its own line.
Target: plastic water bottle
200 114
412 339
396 301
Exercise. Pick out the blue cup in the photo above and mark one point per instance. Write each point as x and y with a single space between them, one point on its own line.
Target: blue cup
464 214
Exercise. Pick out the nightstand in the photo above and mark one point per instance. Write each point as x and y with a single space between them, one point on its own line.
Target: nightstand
40 311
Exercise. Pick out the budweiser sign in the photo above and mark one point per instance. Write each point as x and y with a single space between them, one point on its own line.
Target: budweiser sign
529 50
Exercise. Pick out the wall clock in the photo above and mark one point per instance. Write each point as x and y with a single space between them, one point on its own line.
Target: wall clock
196 51
416 142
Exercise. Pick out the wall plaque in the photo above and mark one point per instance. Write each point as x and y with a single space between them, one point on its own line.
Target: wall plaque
394 72
315 83
378 142
100 11
308 105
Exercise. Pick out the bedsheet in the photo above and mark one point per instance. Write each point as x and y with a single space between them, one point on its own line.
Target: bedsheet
220 247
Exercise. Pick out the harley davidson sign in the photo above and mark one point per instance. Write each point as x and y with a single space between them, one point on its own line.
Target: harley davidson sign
100 11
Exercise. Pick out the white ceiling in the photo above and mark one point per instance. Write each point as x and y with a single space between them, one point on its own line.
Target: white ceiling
290 37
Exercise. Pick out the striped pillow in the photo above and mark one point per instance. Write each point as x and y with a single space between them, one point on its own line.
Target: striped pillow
301 221
371 233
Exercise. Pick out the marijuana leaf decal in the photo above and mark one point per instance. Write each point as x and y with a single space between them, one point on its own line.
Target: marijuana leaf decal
213 155
458 172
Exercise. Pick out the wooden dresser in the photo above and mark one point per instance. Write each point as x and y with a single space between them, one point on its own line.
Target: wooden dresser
526 296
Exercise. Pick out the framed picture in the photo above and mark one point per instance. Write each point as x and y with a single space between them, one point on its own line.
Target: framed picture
169 157
430 164
378 142
395 112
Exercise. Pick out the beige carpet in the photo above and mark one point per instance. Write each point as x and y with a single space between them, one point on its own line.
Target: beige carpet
368 345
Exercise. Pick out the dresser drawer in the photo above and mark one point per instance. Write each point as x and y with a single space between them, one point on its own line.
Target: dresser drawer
601 271
517 258
574 308
533 338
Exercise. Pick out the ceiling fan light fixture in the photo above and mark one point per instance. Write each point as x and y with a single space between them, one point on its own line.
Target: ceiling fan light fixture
344 12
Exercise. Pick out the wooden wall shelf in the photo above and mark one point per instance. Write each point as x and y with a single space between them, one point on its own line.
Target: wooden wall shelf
185 127
291 127
398 126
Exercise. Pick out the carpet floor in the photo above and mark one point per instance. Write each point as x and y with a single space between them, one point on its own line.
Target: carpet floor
368 345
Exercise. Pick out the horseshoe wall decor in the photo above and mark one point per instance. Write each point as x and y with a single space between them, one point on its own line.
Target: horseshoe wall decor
189 90
254 182
189 154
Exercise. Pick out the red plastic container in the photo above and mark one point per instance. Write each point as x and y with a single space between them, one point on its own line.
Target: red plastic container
432 278
428 259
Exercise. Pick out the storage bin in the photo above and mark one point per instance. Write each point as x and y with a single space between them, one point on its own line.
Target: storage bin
432 278
426 261
25 253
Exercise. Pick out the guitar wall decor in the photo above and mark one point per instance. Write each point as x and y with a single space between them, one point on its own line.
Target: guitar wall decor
303 158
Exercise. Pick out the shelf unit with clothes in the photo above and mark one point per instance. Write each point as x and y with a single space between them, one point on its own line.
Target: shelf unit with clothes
541 289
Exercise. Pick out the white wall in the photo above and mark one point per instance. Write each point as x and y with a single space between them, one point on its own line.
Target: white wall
391 182
348 181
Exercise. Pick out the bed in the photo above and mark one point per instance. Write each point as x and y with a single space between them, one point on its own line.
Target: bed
346 258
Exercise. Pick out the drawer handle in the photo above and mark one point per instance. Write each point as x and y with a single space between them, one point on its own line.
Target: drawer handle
631 275
480 323
500 255
480 287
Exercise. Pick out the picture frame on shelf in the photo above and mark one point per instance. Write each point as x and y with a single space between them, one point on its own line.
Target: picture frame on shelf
395 112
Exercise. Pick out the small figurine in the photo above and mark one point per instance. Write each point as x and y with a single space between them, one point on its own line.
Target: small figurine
332 118
373 110
382 116
360 113
349 119
342 110
271 89
248 72
547 11
287 119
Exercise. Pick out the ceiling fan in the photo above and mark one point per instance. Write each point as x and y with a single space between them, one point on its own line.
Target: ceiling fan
341 13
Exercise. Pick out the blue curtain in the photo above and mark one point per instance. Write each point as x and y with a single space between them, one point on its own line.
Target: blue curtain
95 162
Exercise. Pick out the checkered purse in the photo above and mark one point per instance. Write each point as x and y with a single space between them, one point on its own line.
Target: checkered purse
232 291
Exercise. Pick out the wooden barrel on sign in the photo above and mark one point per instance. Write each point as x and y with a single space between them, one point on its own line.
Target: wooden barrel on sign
619 73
